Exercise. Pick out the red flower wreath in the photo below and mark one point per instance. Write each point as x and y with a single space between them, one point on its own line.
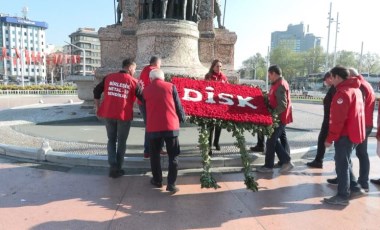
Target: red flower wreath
230 102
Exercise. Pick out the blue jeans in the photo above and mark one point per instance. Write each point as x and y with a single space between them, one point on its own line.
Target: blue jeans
117 133
343 167
362 154
273 145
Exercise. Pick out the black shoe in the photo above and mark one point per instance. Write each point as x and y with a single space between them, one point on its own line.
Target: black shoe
357 193
155 183
277 165
217 147
333 181
315 164
375 181
257 149
336 200
364 186
210 153
172 188
113 173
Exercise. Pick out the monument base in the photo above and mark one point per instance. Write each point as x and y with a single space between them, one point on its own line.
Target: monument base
85 85
175 42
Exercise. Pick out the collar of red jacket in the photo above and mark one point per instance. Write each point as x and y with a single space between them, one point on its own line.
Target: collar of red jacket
349 83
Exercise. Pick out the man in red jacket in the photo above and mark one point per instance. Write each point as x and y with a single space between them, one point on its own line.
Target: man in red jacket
163 114
144 81
279 101
119 92
361 149
347 127
377 181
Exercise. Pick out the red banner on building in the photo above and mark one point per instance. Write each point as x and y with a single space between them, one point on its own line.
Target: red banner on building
211 99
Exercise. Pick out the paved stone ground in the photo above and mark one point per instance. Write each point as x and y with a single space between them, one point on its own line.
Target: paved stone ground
43 197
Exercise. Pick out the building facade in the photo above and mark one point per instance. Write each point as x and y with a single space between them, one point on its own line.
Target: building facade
23 42
295 38
86 39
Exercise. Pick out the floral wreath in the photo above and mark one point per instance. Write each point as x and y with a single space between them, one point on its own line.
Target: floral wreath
236 119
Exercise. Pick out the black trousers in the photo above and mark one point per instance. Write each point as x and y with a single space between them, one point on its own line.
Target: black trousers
218 131
173 149
321 149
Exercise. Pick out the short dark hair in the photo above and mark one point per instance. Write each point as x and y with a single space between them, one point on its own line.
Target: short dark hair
153 60
276 69
327 75
341 71
128 62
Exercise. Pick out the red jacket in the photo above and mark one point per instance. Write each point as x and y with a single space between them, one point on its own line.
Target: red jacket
144 79
119 96
161 114
285 116
378 124
369 101
216 77
347 113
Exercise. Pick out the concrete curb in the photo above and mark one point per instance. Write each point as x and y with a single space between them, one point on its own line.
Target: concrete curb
185 162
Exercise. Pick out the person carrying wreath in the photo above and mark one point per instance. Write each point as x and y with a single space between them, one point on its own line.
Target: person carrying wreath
215 74
164 112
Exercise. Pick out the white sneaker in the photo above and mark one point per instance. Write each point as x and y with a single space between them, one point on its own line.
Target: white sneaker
286 167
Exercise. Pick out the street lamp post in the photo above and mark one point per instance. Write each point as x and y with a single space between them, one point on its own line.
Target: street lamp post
336 36
84 57
328 38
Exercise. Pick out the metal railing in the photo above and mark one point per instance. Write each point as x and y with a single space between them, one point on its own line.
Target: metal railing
38 92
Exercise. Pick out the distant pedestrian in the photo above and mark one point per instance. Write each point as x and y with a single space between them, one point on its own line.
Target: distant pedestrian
119 91
347 128
164 112
215 74
279 101
321 149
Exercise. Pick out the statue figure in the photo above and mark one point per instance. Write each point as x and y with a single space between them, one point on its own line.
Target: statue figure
142 9
164 7
184 7
119 10
192 11
150 9
218 14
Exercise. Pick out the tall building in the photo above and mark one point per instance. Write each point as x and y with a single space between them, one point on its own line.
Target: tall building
23 48
86 39
295 38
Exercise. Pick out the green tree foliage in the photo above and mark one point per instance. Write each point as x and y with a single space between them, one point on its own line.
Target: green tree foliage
347 58
294 64
370 63
255 63
289 61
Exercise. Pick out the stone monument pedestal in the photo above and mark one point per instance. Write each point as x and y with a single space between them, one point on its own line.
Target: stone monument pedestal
175 42
85 87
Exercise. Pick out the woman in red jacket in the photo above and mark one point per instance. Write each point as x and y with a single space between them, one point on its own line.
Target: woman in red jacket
215 74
